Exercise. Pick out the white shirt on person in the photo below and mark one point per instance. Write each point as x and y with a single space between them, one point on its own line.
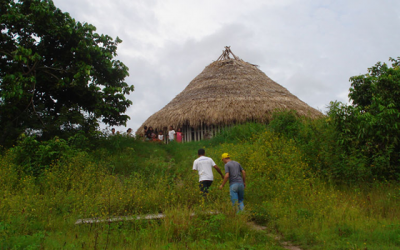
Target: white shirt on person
171 134
204 166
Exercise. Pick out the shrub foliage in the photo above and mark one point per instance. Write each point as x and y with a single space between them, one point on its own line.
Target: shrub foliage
368 128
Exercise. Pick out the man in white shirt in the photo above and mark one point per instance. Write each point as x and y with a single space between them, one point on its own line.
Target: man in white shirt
171 133
204 166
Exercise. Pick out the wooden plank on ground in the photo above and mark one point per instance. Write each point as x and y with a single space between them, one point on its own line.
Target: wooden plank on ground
128 218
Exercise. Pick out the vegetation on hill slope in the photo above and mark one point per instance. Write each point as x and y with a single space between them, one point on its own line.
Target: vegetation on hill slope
293 188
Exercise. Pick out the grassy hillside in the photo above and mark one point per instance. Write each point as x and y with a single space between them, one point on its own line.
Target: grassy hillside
293 188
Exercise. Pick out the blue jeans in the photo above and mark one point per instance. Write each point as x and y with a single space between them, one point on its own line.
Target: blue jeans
237 195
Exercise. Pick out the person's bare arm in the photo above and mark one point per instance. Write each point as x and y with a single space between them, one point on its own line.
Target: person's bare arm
244 177
226 178
194 167
219 171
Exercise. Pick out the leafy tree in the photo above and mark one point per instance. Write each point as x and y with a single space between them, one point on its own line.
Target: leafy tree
56 74
370 125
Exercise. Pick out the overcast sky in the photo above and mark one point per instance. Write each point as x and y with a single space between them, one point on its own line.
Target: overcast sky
310 47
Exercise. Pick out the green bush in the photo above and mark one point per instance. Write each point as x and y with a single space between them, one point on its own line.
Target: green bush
320 142
286 123
238 133
33 157
369 126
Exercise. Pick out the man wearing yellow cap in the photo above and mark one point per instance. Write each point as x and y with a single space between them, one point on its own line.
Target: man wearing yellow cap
237 180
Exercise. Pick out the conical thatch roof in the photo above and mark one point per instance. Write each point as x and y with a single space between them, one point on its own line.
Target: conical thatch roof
228 91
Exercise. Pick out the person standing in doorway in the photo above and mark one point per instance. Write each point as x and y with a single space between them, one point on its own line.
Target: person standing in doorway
171 134
160 136
237 180
179 135
149 133
145 133
204 165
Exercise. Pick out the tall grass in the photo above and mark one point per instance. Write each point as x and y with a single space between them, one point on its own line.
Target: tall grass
288 190
138 178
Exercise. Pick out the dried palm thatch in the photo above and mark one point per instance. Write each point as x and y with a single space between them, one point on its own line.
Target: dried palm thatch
228 91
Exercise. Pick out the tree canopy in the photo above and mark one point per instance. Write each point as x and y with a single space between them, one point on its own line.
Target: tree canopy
370 125
56 74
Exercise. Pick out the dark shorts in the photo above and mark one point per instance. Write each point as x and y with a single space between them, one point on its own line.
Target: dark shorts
204 186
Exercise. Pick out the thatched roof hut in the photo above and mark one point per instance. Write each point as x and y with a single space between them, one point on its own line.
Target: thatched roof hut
228 91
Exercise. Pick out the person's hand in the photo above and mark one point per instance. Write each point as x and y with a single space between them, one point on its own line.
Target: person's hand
221 187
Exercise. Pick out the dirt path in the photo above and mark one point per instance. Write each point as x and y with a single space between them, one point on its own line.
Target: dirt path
285 244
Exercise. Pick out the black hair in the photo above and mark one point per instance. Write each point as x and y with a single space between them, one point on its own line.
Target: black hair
201 151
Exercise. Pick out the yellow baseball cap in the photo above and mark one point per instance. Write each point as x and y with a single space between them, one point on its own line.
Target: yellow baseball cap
225 155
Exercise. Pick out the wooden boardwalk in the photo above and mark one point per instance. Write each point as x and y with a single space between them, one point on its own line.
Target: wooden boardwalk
128 218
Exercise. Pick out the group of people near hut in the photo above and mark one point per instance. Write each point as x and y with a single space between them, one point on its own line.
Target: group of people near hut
151 134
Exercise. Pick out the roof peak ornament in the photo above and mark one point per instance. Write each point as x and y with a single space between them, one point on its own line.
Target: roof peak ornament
225 54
